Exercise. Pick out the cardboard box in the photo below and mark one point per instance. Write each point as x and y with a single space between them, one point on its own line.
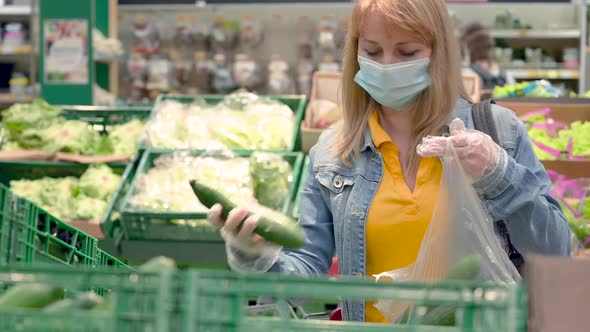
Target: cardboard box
566 110
471 84
559 294
326 86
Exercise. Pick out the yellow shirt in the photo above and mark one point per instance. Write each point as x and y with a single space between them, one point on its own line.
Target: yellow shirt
398 218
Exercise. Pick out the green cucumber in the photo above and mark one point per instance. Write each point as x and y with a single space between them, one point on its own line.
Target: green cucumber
107 303
30 296
444 315
272 226
84 301
466 269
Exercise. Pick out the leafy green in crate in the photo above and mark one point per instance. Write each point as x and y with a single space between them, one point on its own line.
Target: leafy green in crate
241 121
40 127
165 186
70 198
272 179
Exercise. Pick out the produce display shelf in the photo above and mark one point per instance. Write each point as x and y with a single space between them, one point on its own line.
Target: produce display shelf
106 261
204 300
110 222
151 225
297 201
99 117
30 235
297 103
216 301
136 301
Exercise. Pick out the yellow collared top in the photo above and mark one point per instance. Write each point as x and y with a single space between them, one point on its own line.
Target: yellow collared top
398 218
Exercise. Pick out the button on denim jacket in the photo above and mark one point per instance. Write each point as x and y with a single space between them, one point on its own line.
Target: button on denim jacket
336 198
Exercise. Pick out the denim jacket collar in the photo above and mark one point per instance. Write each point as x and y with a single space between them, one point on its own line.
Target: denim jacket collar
462 111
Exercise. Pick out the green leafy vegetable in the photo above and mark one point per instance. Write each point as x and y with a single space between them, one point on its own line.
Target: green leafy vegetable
70 198
99 182
272 179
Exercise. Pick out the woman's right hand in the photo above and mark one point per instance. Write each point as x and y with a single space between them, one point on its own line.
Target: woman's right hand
238 231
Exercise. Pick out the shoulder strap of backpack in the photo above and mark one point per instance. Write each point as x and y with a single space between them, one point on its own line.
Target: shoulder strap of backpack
483 119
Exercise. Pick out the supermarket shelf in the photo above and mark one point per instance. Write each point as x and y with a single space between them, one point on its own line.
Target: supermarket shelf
106 60
11 10
16 50
565 74
537 34
8 98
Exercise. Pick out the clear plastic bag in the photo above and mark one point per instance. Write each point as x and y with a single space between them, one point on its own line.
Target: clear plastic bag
460 244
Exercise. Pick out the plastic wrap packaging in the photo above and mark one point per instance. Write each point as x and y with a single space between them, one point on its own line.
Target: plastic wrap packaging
146 36
460 244
223 81
272 179
200 77
251 33
159 74
224 34
180 126
165 187
246 72
241 121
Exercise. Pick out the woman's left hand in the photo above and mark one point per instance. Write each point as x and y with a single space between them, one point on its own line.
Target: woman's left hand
478 153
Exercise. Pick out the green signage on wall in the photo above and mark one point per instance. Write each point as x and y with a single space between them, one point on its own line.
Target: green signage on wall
67 72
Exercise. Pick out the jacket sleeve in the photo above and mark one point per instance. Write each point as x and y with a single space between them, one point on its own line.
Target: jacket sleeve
517 191
315 257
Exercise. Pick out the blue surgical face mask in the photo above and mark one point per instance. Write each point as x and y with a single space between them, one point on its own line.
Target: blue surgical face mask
394 86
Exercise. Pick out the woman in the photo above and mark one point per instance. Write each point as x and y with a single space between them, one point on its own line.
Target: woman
480 46
369 197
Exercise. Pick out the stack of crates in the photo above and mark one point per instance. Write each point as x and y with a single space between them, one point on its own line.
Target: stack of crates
215 301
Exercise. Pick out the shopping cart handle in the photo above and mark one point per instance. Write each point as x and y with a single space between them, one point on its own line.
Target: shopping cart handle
336 314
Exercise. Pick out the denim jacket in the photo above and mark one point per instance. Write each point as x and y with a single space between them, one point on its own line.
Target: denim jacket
336 198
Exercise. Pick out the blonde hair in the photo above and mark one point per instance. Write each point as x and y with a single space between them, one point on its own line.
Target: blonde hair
428 20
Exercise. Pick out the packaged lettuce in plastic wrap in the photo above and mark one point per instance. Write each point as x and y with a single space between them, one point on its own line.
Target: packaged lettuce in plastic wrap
272 177
99 182
177 125
246 121
165 187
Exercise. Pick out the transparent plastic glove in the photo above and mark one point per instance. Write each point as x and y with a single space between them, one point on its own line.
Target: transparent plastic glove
246 251
478 153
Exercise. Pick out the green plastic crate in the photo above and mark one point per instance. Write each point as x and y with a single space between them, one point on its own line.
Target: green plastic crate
110 222
7 218
295 212
100 117
37 237
216 301
297 103
150 225
106 261
141 302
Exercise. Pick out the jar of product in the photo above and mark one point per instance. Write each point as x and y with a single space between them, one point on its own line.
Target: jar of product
18 86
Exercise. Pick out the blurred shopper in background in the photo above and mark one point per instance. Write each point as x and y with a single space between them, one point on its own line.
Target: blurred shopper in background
481 48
